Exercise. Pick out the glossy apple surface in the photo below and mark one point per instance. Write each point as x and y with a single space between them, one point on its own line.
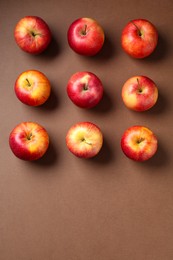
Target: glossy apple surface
84 139
32 34
29 141
85 89
139 38
139 93
85 36
32 88
139 143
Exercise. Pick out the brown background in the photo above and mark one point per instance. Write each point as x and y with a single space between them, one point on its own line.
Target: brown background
109 207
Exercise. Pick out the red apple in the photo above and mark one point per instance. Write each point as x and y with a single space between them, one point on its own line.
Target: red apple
29 141
139 38
85 36
84 139
139 93
85 89
32 34
32 88
139 143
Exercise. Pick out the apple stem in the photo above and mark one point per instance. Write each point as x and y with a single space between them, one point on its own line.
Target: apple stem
85 87
140 140
84 29
139 32
33 34
29 84
29 136
84 140
140 88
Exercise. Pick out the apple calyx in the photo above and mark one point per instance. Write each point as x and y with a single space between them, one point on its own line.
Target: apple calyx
138 30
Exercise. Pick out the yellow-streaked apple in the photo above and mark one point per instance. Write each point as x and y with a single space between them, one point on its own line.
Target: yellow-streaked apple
85 36
139 38
85 89
32 34
32 88
139 93
29 141
139 143
84 139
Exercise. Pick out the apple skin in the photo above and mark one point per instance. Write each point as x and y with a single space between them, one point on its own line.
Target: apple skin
84 140
139 93
85 36
32 34
139 143
85 89
32 88
29 141
139 38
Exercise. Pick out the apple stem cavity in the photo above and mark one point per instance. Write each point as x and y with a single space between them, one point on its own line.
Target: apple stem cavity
138 30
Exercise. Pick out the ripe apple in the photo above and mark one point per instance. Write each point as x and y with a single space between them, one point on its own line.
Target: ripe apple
85 89
139 38
139 143
32 34
85 36
84 139
139 93
32 88
29 141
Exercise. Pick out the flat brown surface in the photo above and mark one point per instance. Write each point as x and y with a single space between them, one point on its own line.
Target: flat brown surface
109 207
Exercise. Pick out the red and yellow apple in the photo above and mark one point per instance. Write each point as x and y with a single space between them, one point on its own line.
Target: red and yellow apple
85 36
139 143
85 89
32 34
32 88
29 141
84 139
139 93
139 38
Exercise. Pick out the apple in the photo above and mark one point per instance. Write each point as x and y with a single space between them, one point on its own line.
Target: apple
139 93
85 36
139 38
32 88
84 140
139 143
32 34
85 89
29 141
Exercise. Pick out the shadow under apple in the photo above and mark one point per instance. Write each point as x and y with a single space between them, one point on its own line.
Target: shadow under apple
52 50
50 157
52 102
106 154
160 107
161 51
160 159
107 52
